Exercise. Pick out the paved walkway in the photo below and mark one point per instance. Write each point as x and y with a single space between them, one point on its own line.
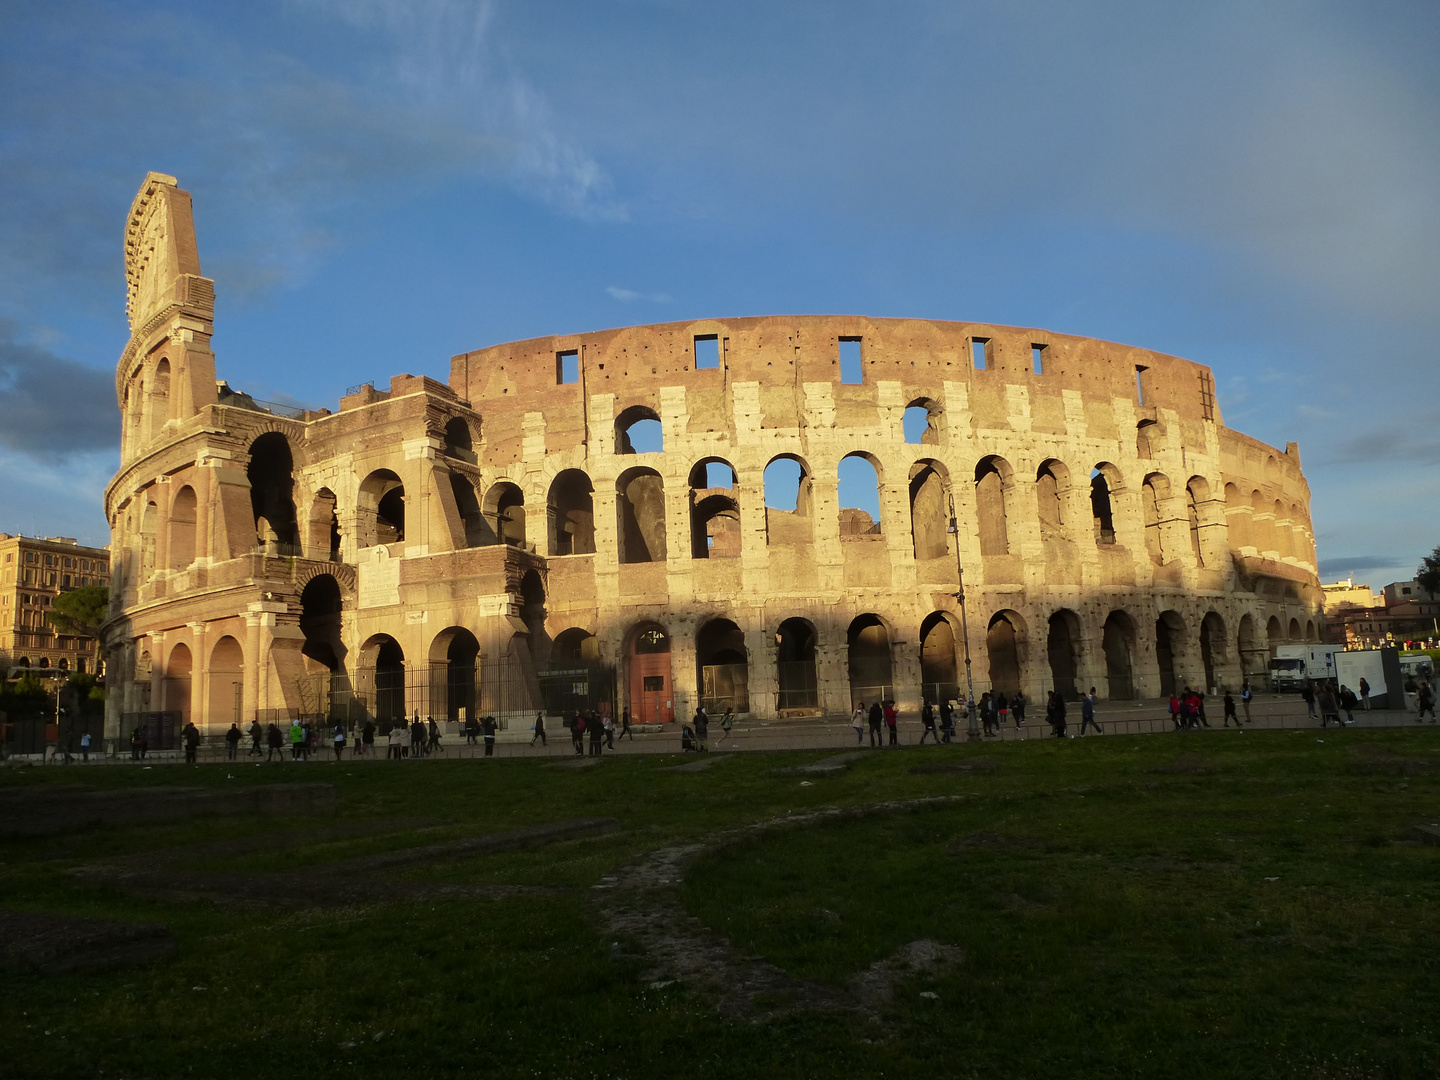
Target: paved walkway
829 733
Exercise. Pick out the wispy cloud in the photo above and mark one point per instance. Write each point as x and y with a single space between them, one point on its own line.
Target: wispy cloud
51 407
630 296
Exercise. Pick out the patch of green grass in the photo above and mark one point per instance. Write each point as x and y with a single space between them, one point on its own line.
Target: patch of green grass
1113 912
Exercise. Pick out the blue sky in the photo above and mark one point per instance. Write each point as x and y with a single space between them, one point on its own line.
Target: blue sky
381 184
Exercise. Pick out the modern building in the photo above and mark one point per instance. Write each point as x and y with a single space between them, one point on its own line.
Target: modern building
33 572
1404 613
652 517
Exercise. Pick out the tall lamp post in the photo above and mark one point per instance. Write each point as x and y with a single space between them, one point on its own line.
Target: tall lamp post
972 733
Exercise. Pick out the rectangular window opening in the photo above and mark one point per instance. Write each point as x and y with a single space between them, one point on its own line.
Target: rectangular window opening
1140 370
1037 359
851 370
980 353
707 351
567 367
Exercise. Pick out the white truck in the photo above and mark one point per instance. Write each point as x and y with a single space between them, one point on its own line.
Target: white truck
1293 665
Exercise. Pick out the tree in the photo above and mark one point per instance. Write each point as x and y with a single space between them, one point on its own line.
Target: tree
1428 576
80 611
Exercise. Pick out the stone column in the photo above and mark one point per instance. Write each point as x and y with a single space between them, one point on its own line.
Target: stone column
199 675
250 691
157 672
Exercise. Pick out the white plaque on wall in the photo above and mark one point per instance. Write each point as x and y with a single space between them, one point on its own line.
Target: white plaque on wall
379 578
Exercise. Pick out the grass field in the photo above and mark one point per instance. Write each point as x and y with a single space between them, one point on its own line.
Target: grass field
1186 905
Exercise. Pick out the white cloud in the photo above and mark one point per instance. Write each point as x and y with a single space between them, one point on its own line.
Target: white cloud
630 296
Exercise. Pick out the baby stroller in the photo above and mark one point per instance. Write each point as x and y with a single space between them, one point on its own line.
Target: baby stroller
687 739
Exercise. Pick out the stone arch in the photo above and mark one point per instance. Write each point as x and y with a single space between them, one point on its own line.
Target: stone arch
184 513
788 483
324 526
454 674
714 511
640 509
179 672
929 509
722 667
1295 633
504 510
380 510
570 510
383 663
321 609
869 661
225 675
1004 643
1063 642
1118 639
1197 496
1237 518
1311 635
459 442
992 481
574 647
639 423
939 664
1155 498
158 404
856 520
272 493
1052 488
1170 651
477 531
1248 649
921 422
795 646
1262 525
1212 647
1104 485
1283 546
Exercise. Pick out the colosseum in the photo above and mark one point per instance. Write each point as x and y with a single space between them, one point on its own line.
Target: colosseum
652 517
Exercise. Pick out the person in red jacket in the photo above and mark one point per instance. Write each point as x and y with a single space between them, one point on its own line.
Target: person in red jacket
892 718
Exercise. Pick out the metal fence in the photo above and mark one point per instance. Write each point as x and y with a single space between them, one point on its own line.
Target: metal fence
798 688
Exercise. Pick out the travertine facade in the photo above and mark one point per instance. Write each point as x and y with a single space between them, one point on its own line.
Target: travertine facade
1113 532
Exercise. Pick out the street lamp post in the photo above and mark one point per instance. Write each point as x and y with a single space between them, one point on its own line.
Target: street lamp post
972 733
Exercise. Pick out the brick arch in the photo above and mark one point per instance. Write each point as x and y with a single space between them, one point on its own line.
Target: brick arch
343 574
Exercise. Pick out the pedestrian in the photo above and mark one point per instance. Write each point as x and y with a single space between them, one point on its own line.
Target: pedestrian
1329 707
488 727
625 724
232 741
1425 702
595 731
1307 693
702 728
1348 702
339 740
1364 694
1200 707
986 707
274 742
1002 711
405 739
297 735
85 747
135 741
857 721
947 719
727 721
191 736
927 723
433 744
257 733
1017 708
892 721
392 742
1175 710
608 722
1055 714
538 728
1087 714
1245 696
367 739
1230 710
577 733
472 731
417 736
876 715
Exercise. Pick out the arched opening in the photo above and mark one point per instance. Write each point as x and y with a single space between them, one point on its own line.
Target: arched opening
454 655
505 510
1294 634
1252 656
532 614
177 685
722 667
1212 647
929 510
640 508
858 488
1062 646
1103 484
272 498
571 507
1154 492
157 406
1281 525
787 502
651 697
1310 634
1002 642
638 431
149 530
1262 524
1237 518
458 441
921 422
1169 639
1274 632
991 474
380 513
227 677
384 663
320 614
869 660
1118 644
714 512
574 648
798 689
44 663
939 674
1052 481
324 527
477 531
1147 439
575 678
183 515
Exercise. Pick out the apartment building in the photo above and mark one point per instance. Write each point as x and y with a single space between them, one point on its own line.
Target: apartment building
33 572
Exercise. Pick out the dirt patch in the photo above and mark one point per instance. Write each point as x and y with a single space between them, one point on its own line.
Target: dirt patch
683 949
58 944
918 959
974 765
698 765
824 767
